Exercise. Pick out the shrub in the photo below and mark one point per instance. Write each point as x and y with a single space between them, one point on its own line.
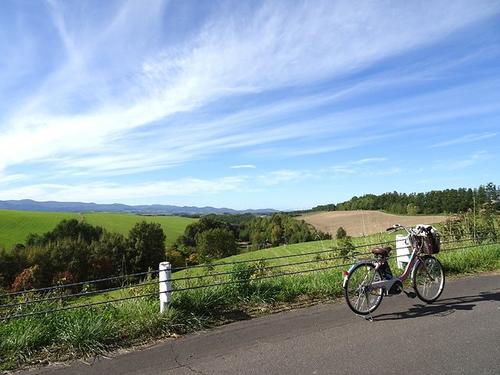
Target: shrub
341 233
175 257
241 276
29 278
63 278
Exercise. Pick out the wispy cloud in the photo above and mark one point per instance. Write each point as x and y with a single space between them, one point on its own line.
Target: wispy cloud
113 192
361 166
7 179
368 161
385 171
222 60
243 166
458 164
465 139
105 192
282 176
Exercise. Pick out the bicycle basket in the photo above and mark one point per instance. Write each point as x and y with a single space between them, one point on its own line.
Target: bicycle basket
432 241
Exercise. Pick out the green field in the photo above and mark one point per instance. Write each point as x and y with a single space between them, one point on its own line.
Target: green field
16 225
322 246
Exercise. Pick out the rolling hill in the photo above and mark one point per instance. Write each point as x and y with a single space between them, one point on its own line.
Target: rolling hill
359 223
16 225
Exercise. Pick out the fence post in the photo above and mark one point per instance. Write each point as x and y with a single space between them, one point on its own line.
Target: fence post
165 277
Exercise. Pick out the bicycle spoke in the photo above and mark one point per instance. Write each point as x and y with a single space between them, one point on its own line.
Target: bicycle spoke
359 302
361 298
429 279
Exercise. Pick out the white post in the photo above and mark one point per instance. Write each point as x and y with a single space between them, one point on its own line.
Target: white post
402 251
165 277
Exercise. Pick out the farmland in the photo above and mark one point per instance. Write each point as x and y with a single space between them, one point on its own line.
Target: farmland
16 225
359 223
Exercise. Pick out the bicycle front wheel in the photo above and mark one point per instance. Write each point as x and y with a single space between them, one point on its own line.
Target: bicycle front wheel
359 295
428 279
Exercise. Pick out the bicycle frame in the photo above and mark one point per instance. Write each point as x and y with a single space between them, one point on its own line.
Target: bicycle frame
387 284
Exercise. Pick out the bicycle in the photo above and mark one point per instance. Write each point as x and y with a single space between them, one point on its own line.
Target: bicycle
368 281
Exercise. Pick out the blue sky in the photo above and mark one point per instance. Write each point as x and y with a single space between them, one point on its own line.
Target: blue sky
246 104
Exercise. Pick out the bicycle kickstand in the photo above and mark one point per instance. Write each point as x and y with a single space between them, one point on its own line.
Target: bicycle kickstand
368 317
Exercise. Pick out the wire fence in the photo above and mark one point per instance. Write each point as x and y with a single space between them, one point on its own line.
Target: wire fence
17 302
206 266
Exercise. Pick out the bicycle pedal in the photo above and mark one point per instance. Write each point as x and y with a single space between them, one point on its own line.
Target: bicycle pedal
410 294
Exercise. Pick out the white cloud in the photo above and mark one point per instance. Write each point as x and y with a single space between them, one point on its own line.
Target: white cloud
243 166
465 139
7 179
112 192
278 46
282 176
458 164
151 191
360 167
368 161
385 171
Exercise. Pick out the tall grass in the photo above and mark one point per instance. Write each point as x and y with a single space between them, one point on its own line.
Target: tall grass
484 258
92 330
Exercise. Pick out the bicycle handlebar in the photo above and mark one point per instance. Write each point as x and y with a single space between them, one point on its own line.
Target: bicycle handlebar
396 227
416 230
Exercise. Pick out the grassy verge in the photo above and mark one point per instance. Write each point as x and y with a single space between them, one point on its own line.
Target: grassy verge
92 330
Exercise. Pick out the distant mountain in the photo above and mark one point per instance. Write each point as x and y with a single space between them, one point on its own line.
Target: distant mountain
154 209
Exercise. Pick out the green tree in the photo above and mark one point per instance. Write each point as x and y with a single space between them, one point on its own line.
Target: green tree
481 196
146 246
108 256
276 235
216 243
11 263
411 209
205 223
71 229
67 255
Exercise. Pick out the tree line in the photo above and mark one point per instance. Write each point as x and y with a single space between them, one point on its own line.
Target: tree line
218 236
75 251
433 202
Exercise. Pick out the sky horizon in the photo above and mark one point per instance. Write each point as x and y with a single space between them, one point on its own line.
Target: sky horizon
265 105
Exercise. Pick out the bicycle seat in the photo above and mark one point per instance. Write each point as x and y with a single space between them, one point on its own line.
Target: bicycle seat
381 251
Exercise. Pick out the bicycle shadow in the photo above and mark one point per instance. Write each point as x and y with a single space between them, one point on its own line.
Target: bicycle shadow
440 307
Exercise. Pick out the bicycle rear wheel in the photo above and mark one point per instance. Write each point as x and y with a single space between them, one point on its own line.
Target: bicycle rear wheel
428 279
360 297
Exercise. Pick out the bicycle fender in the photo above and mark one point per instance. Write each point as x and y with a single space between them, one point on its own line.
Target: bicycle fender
367 261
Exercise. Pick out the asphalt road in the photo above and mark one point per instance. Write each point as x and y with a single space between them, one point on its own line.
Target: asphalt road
459 334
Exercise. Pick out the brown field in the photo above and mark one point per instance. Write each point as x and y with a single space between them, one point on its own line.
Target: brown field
359 223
